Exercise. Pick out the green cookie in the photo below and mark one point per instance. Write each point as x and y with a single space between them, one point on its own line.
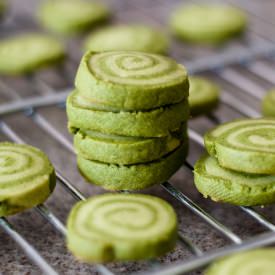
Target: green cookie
126 150
207 23
27 178
71 16
27 52
254 262
203 96
268 104
116 227
131 80
155 123
127 38
223 185
132 177
3 6
245 145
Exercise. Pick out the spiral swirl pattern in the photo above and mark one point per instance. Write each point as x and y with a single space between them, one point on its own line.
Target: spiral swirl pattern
248 134
135 68
118 221
20 163
246 145
27 178
256 262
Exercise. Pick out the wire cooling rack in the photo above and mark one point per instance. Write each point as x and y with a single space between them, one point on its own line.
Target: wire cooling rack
32 111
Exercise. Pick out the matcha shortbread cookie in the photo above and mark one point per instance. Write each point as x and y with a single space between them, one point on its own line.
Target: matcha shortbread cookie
268 104
207 23
27 178
127 38
121 227
70 16
259 261
203 96
27 52
155 123
131 80
132 177
246 145
126 150
224 185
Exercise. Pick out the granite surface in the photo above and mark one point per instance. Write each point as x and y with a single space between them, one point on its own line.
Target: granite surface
35 228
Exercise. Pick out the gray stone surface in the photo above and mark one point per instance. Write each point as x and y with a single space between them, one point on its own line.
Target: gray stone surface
39 232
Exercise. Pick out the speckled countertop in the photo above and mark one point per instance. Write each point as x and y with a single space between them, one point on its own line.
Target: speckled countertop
40 233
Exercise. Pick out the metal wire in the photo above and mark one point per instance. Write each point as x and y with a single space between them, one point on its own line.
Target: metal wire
216 64
43 210
200 261
29 250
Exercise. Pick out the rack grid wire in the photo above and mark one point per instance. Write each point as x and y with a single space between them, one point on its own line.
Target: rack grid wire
32 111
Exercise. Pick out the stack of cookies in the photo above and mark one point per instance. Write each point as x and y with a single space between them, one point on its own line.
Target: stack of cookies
129 117
240 167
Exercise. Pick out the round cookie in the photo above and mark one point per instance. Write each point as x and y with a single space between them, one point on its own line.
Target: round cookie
127 38
132 177
207 23
203 96
70 16
131 80
245 145
27 52
126 150
259 261
155 123
268 104
116 227
27 178
224 185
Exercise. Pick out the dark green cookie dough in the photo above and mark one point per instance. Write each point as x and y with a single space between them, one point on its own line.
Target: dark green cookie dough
71 16
224 185
207 23
126 150
116 227
259 261
268 104
132 177
203 96
245 145
155 123
27 178
128 38
131 80
27 52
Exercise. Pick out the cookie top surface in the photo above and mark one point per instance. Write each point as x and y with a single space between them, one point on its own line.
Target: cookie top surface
135 69
210 23
254 262
25 53
69 16
24 171
203 95
245 145
128 38
256 135
128 80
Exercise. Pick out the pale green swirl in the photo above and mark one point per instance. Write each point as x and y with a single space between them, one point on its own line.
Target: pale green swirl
123 217
135 68
19 164
257 262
